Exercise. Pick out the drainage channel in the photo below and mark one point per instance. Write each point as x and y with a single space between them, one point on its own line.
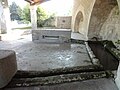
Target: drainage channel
59 71
99 48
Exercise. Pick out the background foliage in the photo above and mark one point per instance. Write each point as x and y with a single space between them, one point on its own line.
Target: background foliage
16 13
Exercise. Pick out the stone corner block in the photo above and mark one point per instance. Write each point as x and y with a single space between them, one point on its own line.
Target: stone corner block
8 66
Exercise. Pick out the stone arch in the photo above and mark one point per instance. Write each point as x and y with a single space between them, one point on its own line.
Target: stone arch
78 21
99 15
85 6
118 4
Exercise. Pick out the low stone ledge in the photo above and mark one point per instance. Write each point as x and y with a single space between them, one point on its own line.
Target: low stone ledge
58 79
111 48
114 52
8 66
78 41
59 71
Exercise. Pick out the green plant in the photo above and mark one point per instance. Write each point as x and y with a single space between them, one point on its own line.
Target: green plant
117 42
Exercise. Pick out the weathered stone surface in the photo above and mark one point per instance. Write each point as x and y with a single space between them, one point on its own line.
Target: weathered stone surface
58 79
77 41
95 84
8 66
2 19
58 71
110 29
63 22
100 13
51 35
85 7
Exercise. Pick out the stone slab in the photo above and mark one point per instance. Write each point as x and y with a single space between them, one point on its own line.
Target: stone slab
94 84
51 35
57 79
8 66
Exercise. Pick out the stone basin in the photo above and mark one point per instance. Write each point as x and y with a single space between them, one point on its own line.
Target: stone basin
8 66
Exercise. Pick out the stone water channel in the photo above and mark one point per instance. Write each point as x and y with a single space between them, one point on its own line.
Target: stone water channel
101 49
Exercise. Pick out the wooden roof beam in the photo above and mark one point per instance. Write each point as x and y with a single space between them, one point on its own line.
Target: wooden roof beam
35 2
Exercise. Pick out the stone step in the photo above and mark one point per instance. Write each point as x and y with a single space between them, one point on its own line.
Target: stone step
8 66
58 71
58 79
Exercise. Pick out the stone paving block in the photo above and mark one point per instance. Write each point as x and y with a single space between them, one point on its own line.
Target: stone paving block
8 66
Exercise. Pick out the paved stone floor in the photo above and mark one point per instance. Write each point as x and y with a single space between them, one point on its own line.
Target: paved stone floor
31 56
98 84
37 57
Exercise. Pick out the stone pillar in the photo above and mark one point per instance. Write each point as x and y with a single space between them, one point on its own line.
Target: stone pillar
7 15
2 19
118 4
33 16
0 14
117 80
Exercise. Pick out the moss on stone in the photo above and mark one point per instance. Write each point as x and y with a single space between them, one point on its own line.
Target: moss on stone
58 79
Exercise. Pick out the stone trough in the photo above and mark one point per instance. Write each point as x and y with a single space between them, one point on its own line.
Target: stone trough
51 35
100 53
8 66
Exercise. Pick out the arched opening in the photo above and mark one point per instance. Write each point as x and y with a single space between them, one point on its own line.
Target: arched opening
78 21
100 13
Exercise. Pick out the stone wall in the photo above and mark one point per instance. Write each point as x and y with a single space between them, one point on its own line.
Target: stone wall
98 18
2 20
100 14
111 31
63 22
85 7
111 28
105 24
94 15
